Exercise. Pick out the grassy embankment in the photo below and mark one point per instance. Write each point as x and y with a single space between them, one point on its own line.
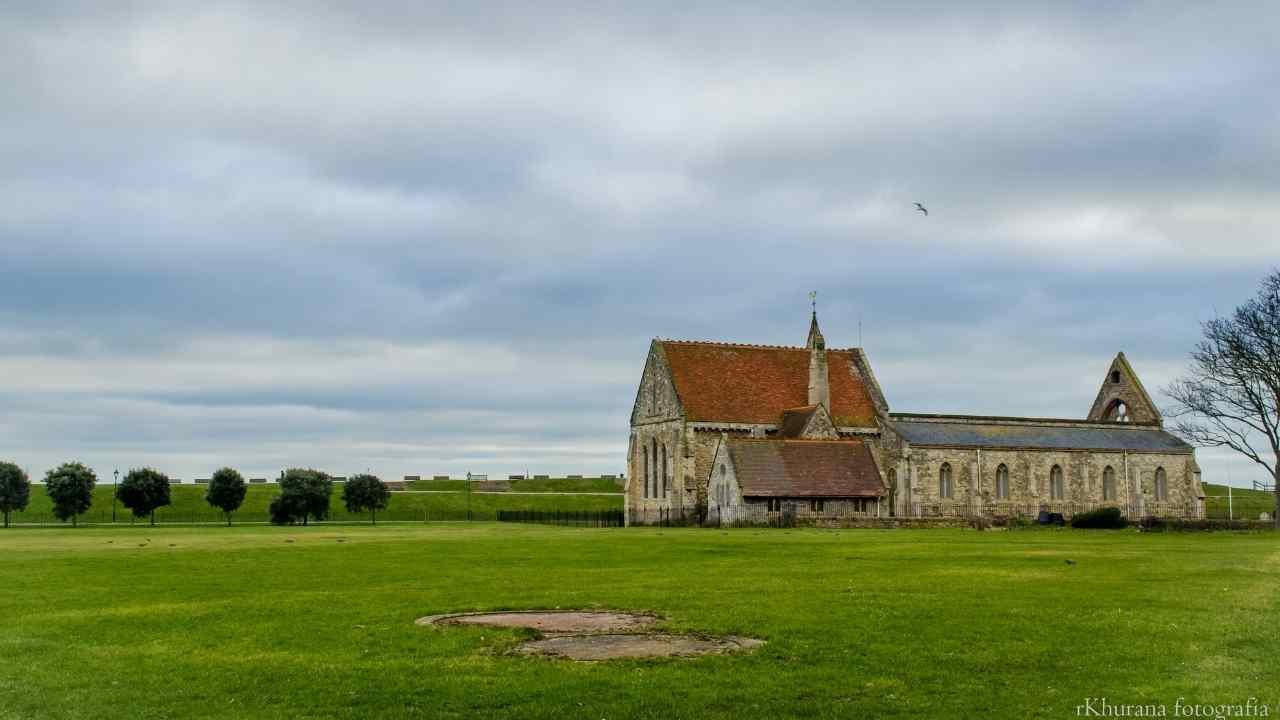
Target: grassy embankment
189 505
1245 504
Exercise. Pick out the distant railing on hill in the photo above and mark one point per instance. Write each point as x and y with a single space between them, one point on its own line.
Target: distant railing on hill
578 518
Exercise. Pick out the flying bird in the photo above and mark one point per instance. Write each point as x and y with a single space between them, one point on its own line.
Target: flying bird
922 209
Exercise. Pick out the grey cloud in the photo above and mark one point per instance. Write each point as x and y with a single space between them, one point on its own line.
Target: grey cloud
182 186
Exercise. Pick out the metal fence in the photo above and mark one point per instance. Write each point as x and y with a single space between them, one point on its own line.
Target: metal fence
576 518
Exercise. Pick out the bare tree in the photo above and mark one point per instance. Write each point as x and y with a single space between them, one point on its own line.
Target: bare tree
1230 397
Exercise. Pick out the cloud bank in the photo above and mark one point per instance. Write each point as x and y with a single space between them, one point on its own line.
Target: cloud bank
417 238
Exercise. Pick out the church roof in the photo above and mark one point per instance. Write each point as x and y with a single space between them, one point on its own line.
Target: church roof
993 432
721 382
805 468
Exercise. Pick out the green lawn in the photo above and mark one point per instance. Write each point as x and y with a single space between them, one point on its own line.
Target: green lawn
1245 504
189 505
259 621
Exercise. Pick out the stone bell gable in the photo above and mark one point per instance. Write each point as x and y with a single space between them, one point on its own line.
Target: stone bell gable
1122 397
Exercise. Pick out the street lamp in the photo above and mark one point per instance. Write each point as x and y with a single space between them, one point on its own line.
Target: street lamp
114 489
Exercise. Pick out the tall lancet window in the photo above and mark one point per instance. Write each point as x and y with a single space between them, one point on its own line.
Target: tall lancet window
1057 488
665 476
645 451
944 481
1002 482
653 492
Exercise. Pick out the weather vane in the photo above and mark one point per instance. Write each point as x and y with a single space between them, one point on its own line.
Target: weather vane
813 300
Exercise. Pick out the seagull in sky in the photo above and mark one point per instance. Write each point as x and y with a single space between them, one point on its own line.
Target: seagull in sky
922 209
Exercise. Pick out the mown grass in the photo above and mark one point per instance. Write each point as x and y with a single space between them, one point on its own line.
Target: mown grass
265 622
1244 504
188 505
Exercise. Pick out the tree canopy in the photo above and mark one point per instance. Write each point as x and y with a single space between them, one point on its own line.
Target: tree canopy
143 490
1230 396
226 491
365 493
15 490
304 495
70 489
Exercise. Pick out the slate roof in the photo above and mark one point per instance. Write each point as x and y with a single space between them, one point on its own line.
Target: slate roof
980 432
805 468
720 382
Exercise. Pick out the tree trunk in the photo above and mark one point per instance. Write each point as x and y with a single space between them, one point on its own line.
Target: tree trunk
153 518
6 518
74 518
1275 478
228 519
372 519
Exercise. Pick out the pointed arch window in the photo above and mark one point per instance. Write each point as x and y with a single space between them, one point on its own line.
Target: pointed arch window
1109 483
1002 482
1162 485
653 489
1117 411
645 451
1057 488
945 487
666 477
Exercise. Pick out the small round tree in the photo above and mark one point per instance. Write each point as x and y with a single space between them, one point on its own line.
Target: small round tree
366 493
70 489
226 491
15 490
303 494
143 490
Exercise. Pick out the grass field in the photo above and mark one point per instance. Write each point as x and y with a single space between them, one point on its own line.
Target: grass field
1245 504
265 622
189 505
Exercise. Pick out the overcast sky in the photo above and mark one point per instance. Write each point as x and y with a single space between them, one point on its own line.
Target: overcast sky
424 239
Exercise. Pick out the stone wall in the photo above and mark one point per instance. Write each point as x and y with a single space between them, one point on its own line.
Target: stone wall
974 475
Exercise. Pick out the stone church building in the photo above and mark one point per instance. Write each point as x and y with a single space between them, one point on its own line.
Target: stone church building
731 433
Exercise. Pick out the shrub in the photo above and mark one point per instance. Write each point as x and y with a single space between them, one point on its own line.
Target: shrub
1107 518
304 494
70 489
143 490
365 493
15 490
226 491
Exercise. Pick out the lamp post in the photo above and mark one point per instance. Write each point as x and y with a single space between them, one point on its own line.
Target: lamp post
115 487
468 486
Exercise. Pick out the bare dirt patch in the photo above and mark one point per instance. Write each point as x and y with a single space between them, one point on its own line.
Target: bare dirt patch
550 622
583 635
611 647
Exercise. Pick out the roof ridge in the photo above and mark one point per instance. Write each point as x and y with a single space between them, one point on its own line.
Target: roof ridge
747 345
1005 419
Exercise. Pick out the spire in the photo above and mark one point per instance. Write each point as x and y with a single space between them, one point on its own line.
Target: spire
819 387
815 335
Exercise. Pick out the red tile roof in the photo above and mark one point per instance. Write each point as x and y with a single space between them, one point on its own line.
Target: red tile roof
720 382
805 468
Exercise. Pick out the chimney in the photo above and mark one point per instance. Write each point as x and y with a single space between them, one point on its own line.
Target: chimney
819 387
